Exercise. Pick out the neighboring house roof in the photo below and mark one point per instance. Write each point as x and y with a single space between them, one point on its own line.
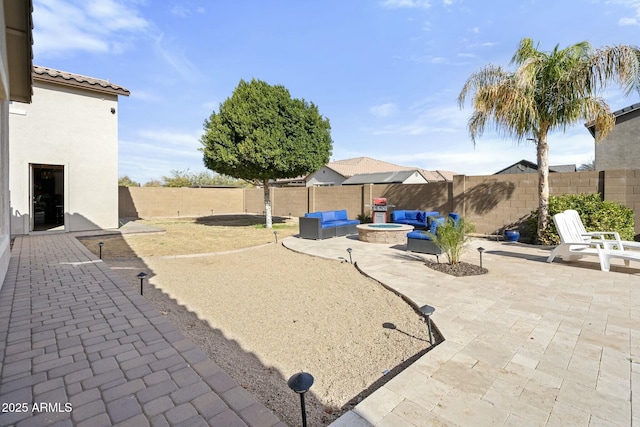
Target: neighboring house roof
75 80
523 165
562 168
619 114
396 177
367 165
360 165
437 175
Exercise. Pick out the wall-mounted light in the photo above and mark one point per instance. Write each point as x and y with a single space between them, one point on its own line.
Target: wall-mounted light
113 110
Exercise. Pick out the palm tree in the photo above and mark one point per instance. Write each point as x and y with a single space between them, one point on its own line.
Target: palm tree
549 91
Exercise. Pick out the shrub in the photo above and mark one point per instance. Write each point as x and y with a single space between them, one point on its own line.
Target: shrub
452 238
596 215
364 218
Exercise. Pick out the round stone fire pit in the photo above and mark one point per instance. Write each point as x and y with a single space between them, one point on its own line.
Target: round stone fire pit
384 233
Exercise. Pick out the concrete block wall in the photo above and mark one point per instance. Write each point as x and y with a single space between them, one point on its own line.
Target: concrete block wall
492 202
426 197
254 200
347 197
624 186
150 202
290 201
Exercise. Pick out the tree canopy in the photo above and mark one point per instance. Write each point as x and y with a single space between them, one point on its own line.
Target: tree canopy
260 133
125 181
185 178
549 91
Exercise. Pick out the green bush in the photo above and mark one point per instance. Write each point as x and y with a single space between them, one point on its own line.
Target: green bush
452 238
596 215
364 218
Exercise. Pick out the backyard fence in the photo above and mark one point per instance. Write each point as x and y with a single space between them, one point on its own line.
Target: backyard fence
492 202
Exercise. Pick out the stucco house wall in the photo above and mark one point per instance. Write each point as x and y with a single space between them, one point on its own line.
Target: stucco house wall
620 149
75 128
15 84
325 176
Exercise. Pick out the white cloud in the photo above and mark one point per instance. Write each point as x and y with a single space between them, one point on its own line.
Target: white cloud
429 59
98 26
177 59
627 21
409 4
183 10
146 95
384 110
178 139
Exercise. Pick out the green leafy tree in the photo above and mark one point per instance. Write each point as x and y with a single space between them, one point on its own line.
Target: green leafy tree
153 183
178 178
549 91
125 181
260 133
206 178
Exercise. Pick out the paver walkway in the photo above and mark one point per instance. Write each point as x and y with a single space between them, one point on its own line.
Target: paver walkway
528 344
78 346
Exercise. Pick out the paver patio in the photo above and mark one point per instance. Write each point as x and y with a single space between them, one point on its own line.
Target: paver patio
528 344
76 337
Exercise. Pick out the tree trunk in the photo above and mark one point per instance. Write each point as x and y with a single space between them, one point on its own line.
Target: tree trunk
267 205
543 185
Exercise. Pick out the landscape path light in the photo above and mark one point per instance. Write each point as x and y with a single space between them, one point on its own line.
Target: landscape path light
141 276
275 233
480 250
349 250
427 310
301 383
100 245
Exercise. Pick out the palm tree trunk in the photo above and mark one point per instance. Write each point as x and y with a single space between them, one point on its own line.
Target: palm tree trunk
543 184
267 204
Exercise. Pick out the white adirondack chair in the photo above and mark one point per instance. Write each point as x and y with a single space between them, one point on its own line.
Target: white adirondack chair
610 239
575 244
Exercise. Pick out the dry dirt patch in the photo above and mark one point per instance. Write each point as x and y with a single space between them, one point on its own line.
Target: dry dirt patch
266 313
194 235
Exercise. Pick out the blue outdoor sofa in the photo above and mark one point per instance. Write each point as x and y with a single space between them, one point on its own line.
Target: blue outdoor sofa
419 241
413 217
321 225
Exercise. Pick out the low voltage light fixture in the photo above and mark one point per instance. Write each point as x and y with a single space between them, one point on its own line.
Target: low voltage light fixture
100 245
141 276
480 250
275 233
301 383
350 259
427 310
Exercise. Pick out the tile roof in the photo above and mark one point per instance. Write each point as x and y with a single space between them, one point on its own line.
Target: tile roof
76 80
359 165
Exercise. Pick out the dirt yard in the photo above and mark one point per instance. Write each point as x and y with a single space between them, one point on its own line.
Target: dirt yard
264 313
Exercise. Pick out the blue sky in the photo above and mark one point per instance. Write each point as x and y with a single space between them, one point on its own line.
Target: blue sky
386 73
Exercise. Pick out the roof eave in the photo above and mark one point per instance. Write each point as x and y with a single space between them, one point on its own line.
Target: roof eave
19 39
82 85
